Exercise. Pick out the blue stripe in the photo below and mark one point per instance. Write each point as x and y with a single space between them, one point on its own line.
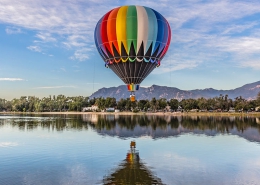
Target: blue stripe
166 34
160 33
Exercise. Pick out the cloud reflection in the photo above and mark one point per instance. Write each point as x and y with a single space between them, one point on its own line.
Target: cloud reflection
8 144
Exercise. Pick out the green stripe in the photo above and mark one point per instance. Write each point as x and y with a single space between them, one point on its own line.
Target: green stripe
131 27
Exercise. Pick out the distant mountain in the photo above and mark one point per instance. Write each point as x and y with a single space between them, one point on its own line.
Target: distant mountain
248 91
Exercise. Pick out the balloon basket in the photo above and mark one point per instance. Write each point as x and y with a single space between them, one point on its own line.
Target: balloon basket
132 98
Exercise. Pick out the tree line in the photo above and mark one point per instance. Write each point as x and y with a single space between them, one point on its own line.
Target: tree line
62 103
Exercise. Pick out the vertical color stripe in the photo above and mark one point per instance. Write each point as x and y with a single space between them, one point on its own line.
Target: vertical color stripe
103 33
111 29
121 27
96 42
142 27
131 27
168 39
160 33
152 28
99 39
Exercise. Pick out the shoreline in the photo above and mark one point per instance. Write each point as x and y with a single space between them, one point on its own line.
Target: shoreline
207 114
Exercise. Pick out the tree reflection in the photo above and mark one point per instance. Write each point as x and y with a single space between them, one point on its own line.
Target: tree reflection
51 123
140 125
221 124
165 126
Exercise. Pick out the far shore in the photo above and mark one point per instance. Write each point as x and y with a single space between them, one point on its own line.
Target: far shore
224 114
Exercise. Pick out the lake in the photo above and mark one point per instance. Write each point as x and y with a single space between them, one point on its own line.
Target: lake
95 149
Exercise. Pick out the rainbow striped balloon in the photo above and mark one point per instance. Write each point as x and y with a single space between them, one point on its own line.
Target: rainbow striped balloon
132 40
132 33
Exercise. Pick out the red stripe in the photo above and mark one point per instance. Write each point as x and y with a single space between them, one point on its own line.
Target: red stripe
103 32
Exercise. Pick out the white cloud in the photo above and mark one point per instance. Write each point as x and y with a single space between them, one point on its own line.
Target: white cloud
75 41
197 26
63 69
56 87
11 79
241 45
73 22
13 30
81 54
45 37
255 64
238 28
35 48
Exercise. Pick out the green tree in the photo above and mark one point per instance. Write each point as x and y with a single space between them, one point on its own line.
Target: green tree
110 102
240 104
173 103
121 104
143 104
188 104
2 104
258 99
202 103
61 102
128 106
101 103
154 104
162 103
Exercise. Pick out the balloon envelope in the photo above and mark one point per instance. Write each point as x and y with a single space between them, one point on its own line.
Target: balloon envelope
132 40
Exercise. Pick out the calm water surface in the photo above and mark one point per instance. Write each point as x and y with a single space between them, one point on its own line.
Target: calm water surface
92 149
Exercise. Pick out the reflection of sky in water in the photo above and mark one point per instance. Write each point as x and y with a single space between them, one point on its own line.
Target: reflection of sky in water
203 159
47 156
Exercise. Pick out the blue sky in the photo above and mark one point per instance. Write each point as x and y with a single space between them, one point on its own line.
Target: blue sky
47 47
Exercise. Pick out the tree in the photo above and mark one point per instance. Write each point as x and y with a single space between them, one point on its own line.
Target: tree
143 104
258 99
189 104
240 104
2 104
162 103
173 103
128 105
110 102
154 104
61 102
121 104
8 106
202 103
92 101
101 103
40 106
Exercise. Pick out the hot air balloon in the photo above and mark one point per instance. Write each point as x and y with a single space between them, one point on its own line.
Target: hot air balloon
132 41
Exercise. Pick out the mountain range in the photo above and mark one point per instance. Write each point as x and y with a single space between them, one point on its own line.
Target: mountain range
248 91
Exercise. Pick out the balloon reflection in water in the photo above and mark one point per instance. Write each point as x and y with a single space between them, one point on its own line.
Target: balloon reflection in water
132 171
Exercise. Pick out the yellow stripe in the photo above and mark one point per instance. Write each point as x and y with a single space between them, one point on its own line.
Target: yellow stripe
121 27
124 60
